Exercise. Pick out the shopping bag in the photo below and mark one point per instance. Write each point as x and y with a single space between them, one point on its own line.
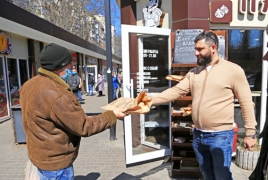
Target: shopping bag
97 88
31 171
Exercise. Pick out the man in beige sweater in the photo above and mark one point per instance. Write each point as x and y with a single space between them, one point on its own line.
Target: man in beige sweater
214 85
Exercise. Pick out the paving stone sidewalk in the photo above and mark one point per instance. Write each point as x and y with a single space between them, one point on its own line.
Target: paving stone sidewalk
99 158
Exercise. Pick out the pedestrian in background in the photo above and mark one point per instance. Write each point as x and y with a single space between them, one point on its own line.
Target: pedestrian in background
115 85
53 118
91 83
74 82
214 85
100 85
120 83
79 90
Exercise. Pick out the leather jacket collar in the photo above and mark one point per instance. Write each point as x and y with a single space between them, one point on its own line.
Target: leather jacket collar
54 77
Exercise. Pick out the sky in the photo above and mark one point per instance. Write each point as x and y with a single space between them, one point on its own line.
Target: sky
115 14
116 21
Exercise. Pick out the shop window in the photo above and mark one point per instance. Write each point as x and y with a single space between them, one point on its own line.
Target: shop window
3 90
245 48
13 81
23 71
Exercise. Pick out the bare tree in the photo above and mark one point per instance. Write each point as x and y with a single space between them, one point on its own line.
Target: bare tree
117 45
79 17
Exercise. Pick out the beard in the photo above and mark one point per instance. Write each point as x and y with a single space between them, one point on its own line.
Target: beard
204 60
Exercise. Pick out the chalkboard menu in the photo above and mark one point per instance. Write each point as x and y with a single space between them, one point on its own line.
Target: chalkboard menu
184 51
221 49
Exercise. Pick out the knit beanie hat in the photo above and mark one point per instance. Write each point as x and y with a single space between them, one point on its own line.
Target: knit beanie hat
54 57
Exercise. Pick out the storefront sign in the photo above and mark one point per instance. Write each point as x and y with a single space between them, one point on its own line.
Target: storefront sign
221 11
5 44
150 53
153 15
227 11
249 6
74 55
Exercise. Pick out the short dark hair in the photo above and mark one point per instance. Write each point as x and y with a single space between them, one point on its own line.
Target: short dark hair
209 37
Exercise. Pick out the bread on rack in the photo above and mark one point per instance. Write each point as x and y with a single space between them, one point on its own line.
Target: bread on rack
174 77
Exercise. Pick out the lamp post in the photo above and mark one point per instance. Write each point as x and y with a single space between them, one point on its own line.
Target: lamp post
109 61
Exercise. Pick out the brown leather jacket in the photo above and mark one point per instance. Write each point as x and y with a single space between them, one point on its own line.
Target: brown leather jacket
54 121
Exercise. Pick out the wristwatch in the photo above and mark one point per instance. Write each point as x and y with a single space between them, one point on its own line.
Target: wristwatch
254 136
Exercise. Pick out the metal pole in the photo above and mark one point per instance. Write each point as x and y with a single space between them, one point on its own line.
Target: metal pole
109 60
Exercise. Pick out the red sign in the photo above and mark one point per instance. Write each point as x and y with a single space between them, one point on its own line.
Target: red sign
221 11
74 55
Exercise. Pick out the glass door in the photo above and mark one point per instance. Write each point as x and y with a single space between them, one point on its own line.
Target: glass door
147 136
92 69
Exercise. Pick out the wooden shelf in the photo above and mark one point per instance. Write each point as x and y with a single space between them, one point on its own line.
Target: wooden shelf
190 173
180 129
175 158
182 153
175 113
185 98
178 113
185 144
183 65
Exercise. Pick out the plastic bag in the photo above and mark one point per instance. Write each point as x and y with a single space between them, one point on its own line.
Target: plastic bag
31 171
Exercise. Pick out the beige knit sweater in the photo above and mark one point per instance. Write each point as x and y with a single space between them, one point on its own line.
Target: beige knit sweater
213 95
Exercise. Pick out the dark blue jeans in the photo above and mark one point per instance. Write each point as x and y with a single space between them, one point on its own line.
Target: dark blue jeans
114 93
79 94
62 174
90 90
214 153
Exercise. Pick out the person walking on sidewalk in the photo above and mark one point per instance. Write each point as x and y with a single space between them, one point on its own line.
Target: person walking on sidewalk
91 83
74 82
100 85
115 85
120 83
79 91
53 118
214 85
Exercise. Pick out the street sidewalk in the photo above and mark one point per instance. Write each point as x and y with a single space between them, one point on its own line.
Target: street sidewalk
99 158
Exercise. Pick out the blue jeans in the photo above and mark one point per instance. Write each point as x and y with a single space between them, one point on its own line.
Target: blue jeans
214 153
62 174
90 89
114 93
79 94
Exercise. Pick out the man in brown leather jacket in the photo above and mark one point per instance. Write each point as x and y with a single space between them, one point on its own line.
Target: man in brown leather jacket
53 118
